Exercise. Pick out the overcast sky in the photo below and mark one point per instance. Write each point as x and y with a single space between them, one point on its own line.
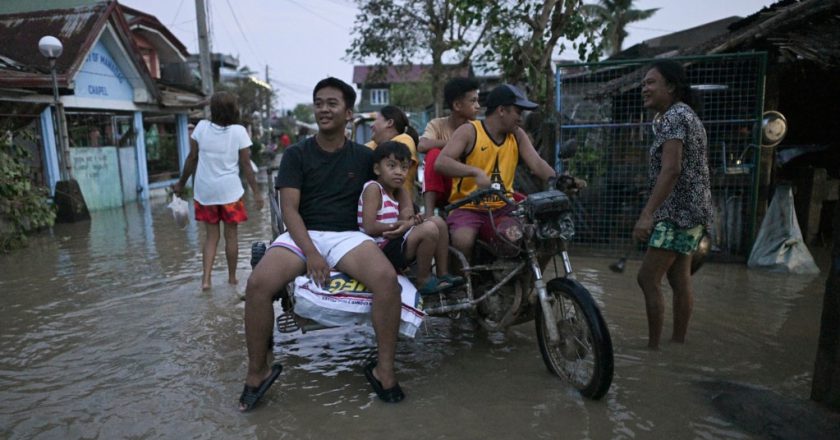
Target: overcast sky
303 41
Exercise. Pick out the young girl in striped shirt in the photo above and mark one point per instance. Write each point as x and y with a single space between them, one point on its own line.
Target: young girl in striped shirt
405 240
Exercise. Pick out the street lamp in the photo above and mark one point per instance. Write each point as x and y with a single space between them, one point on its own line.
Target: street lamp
51 48
68 195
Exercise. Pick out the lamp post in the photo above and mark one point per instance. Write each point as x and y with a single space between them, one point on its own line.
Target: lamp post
68 195
51 48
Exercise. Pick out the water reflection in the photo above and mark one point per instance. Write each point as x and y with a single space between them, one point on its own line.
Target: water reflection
106 334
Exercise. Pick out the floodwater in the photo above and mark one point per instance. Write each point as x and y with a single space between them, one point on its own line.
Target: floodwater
105 333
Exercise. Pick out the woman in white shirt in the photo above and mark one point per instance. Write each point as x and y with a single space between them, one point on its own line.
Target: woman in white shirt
218 151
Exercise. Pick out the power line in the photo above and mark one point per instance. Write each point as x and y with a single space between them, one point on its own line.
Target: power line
247 42
177 11
317 14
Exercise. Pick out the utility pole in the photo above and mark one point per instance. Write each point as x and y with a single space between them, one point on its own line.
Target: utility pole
267 108
204 53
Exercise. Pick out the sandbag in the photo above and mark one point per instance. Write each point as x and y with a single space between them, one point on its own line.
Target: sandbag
346 301
779 246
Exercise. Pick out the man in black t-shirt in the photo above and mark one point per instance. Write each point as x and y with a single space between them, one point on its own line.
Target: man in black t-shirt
319 181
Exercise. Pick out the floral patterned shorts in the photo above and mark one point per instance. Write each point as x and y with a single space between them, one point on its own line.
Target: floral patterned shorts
229 213
667 236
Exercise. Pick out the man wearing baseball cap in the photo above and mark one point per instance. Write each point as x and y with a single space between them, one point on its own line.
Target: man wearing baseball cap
481 154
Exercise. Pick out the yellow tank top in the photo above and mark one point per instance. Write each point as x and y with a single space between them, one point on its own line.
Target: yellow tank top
497 160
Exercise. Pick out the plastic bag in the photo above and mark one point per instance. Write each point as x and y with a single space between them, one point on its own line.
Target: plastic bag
346 301
779 246
180 211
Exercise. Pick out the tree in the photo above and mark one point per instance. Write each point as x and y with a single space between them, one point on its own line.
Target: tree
23 205
612 17
253 94
535 32
303 112
403 31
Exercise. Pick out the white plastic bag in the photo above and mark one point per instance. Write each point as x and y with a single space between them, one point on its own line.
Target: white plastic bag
779 246
180 211
346 301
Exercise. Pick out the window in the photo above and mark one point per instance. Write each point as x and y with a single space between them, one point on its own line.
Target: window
379 96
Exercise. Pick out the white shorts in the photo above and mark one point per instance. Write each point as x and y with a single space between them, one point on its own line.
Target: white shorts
332 245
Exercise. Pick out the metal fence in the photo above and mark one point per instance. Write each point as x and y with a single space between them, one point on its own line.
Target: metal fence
600 106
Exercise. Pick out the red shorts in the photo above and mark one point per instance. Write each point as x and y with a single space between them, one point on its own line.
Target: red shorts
435 182
229 213
480 220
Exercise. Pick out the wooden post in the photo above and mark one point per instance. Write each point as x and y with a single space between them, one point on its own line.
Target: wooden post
825 387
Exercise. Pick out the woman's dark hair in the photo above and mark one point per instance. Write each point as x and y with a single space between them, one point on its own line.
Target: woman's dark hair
396 148
401 123
674 75
456 88
224 109
346 90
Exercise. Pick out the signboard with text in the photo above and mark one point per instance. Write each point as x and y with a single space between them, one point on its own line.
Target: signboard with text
101 77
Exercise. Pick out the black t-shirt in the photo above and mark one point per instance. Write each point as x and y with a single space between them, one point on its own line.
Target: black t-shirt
329 183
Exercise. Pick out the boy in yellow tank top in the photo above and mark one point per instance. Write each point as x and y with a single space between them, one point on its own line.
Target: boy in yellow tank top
485 153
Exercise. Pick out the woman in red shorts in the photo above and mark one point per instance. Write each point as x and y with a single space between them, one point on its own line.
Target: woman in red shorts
218 151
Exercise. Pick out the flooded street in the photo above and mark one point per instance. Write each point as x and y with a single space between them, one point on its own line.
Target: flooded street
105 333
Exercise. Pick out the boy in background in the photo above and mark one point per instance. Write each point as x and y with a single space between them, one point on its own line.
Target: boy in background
461 97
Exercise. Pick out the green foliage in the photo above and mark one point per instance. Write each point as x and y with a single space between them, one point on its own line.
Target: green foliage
23 206
251 92
525 47
303 112
404 31
610 18
411 96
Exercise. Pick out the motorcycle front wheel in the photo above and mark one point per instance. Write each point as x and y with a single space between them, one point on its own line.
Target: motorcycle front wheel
583 355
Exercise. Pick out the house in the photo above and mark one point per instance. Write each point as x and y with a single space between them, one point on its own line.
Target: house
377 83
125 91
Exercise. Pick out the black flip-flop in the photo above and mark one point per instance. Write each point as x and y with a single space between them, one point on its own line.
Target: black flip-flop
391 395
251 395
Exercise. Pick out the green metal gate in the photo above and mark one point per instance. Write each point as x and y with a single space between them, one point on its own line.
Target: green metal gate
600 106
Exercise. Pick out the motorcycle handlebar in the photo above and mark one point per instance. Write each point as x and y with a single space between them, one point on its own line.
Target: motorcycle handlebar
478 195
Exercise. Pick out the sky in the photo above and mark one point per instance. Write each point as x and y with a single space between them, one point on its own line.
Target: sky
303 41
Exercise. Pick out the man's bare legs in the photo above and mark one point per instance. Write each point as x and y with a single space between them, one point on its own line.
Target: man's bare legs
208 255
368 264
679 277
463 239
231 250
654 266
277 268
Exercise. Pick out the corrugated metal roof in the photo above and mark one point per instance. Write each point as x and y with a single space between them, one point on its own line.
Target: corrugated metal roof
74 27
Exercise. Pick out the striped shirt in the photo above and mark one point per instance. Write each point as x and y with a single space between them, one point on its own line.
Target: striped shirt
389 210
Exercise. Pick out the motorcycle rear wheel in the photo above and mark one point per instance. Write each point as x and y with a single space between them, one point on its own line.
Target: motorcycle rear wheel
584 354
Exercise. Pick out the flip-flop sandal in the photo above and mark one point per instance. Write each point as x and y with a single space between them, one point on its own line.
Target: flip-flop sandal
431 286
451 280
251 395
391 395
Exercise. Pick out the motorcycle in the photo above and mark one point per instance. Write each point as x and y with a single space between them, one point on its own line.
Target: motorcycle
505 285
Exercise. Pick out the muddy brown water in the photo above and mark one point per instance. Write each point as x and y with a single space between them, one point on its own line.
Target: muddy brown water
105 333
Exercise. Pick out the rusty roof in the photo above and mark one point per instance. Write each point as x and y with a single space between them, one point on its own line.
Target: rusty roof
78 29
74 27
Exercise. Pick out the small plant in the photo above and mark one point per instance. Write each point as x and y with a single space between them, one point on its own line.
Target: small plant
24 207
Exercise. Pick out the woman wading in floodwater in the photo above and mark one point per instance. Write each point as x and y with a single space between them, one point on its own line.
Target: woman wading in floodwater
680 205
